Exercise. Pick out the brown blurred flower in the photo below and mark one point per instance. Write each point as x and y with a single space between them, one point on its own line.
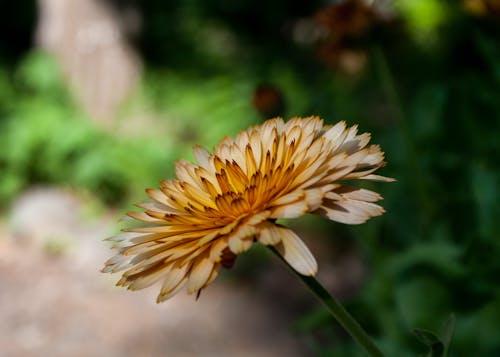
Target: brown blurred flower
344 26
198 222
482 7
350 17
268 101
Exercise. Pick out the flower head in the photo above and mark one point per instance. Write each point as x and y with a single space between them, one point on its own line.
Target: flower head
198 222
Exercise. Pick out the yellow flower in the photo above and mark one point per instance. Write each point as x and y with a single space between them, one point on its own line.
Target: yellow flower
198 222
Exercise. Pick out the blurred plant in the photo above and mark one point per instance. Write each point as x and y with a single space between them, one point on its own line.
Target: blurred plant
46 139
424 19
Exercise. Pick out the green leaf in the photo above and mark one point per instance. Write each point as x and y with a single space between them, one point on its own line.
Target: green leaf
436 347
447 333
442 255
439 346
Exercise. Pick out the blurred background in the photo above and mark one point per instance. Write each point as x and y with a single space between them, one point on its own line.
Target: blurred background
98 98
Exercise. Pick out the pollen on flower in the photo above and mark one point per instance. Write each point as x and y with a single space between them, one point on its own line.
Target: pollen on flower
216 209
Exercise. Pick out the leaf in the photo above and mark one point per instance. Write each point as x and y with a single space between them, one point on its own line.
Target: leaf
447 333
436 347
442 255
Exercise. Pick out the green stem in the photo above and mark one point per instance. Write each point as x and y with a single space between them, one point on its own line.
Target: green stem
338 311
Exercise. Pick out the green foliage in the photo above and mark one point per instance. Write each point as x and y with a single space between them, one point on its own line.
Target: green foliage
47 140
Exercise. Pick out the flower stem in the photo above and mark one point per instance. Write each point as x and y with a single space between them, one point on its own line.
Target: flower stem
337 310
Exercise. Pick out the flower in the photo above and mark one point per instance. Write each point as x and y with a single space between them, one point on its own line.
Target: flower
198 222
345 27
268 100
482 7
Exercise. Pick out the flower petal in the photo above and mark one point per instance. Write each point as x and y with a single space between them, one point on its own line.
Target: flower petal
359 194
314 198
162 297
269 234
292 210
241 240
296 253
199 274
203 157
378 178
148 278
336 133
349 211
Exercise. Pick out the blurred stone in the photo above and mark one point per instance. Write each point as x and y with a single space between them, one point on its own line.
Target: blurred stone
52 220
64 306
89 39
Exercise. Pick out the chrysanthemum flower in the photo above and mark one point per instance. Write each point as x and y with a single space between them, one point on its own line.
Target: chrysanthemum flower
215 210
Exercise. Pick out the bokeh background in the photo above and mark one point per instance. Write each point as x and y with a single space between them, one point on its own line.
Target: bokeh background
98 98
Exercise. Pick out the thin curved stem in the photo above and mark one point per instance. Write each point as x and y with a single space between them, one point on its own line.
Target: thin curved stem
338 311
